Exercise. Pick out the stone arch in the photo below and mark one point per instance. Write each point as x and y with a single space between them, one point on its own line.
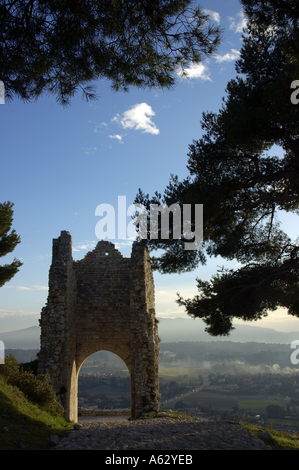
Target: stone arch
80 363
83 355
117 351
104 301
104 349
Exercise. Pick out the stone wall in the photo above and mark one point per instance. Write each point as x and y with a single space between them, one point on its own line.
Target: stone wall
102 302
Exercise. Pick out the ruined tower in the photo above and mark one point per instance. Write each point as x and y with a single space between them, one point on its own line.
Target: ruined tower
102 302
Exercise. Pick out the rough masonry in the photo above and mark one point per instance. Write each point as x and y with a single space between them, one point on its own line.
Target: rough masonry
102 302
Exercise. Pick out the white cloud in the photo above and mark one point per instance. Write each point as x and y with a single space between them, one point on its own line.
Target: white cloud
139 118
101 127
18 287
27 288
117 137
238 23
195 71
127 243
229 57
90 150
213 14
86 245
18 313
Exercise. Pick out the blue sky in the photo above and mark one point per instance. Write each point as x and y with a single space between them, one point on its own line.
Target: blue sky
58 164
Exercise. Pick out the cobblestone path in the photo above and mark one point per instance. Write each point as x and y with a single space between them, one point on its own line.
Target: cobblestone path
161 433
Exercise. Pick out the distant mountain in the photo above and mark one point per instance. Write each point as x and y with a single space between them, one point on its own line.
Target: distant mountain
185 329
170 330
28 338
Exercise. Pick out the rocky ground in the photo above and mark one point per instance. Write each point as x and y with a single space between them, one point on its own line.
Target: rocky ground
160 433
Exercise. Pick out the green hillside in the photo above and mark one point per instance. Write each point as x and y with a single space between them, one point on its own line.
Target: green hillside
25 425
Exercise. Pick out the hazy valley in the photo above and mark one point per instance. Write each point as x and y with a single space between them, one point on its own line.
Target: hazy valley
240 378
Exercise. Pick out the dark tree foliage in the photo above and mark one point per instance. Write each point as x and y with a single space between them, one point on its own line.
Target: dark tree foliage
58 46
242 186
8 242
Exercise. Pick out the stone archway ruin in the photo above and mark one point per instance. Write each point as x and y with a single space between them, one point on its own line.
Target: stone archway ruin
102 302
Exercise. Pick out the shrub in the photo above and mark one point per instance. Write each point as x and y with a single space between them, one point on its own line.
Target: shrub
36 389
275 411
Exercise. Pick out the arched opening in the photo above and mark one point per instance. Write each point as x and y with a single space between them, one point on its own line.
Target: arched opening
104 383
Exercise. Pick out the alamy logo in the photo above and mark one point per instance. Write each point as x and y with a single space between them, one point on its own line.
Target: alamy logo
294 95
2 93
2 353
181 222
294 359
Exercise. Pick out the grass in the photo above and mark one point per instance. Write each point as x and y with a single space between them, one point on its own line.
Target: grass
258 404
27 423
178 373
280 440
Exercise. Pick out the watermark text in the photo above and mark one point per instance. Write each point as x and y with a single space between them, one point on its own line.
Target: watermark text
294 95
2 353
294 358
180 227
2 93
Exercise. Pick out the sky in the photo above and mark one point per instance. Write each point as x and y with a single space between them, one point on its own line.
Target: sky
58 164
